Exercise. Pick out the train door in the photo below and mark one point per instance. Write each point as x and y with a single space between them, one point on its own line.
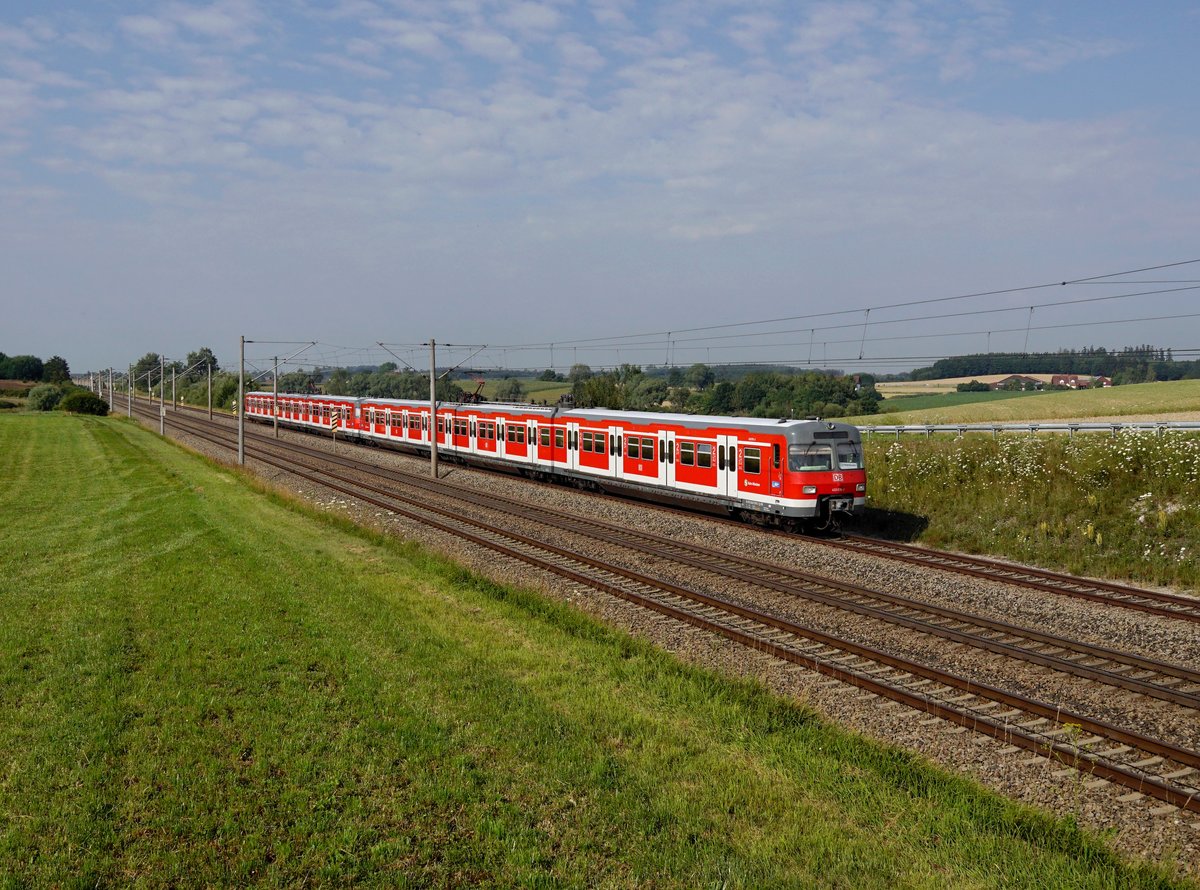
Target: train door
616 442
666 458
727 465
572 455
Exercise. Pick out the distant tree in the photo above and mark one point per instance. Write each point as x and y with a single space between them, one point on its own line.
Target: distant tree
548 375
84 401
45 397
299 382
24 367
55 370
510 389
198 363
578 373
700 376
145 370
388 367
973 386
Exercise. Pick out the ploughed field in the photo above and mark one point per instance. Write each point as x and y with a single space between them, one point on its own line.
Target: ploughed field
206 684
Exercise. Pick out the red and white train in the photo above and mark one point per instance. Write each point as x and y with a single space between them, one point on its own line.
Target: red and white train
780 472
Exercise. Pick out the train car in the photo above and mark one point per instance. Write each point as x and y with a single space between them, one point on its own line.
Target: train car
783 472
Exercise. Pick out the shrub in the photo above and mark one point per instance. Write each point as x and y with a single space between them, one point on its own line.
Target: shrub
5 404
44 398
84 401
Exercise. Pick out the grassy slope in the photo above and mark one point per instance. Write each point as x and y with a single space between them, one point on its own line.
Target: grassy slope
1139 400
202 685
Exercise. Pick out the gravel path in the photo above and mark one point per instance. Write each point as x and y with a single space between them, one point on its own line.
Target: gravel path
1140 828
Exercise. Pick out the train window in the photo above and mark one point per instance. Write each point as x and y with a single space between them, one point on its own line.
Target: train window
544 437
631 446
849 457
704 456
809 458
647 449
516 434
687 454
751 461
460 427
662 452
414 423
559 439
775 456
613 447
587 441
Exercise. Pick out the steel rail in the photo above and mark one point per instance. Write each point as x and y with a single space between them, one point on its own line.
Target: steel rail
1155 602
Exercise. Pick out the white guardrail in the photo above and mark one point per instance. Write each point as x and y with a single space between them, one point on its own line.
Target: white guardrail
928 429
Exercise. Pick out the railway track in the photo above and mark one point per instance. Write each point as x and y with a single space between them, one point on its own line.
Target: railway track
1121 596
1147 765
1155 602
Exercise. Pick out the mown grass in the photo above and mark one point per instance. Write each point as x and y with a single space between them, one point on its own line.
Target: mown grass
1127 507
1137 400
938 401
203 685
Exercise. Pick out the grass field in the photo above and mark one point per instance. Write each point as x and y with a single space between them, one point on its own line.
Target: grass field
1138 400
535 390
205 685
938 401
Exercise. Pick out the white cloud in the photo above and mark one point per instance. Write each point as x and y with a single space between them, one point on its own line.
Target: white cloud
830 25
531 20
148 28
491 45
1051 54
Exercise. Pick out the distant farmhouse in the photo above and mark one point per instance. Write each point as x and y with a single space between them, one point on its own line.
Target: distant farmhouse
1080 381
1041 381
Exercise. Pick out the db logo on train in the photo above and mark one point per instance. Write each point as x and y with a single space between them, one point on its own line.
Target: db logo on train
839 477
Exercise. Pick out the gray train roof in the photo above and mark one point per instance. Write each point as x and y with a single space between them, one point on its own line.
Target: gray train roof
793 430
704 421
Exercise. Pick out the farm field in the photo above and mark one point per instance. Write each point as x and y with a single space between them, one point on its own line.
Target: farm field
205 684
925 402
1176 399
535 390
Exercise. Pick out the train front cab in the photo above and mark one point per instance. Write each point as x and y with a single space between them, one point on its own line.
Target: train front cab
825 471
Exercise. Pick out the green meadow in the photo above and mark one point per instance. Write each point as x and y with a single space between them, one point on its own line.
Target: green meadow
204 684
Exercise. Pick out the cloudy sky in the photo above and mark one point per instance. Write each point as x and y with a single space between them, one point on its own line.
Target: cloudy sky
686 180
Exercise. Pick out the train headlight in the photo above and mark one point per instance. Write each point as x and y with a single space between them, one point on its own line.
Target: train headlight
809 489
862 486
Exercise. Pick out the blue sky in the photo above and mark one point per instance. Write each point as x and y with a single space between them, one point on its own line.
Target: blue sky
179 174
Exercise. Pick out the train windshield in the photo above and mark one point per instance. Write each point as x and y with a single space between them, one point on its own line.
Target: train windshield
849 457
809 458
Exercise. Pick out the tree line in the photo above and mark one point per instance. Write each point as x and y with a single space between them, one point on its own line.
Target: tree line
31 369
1132 364
697 390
